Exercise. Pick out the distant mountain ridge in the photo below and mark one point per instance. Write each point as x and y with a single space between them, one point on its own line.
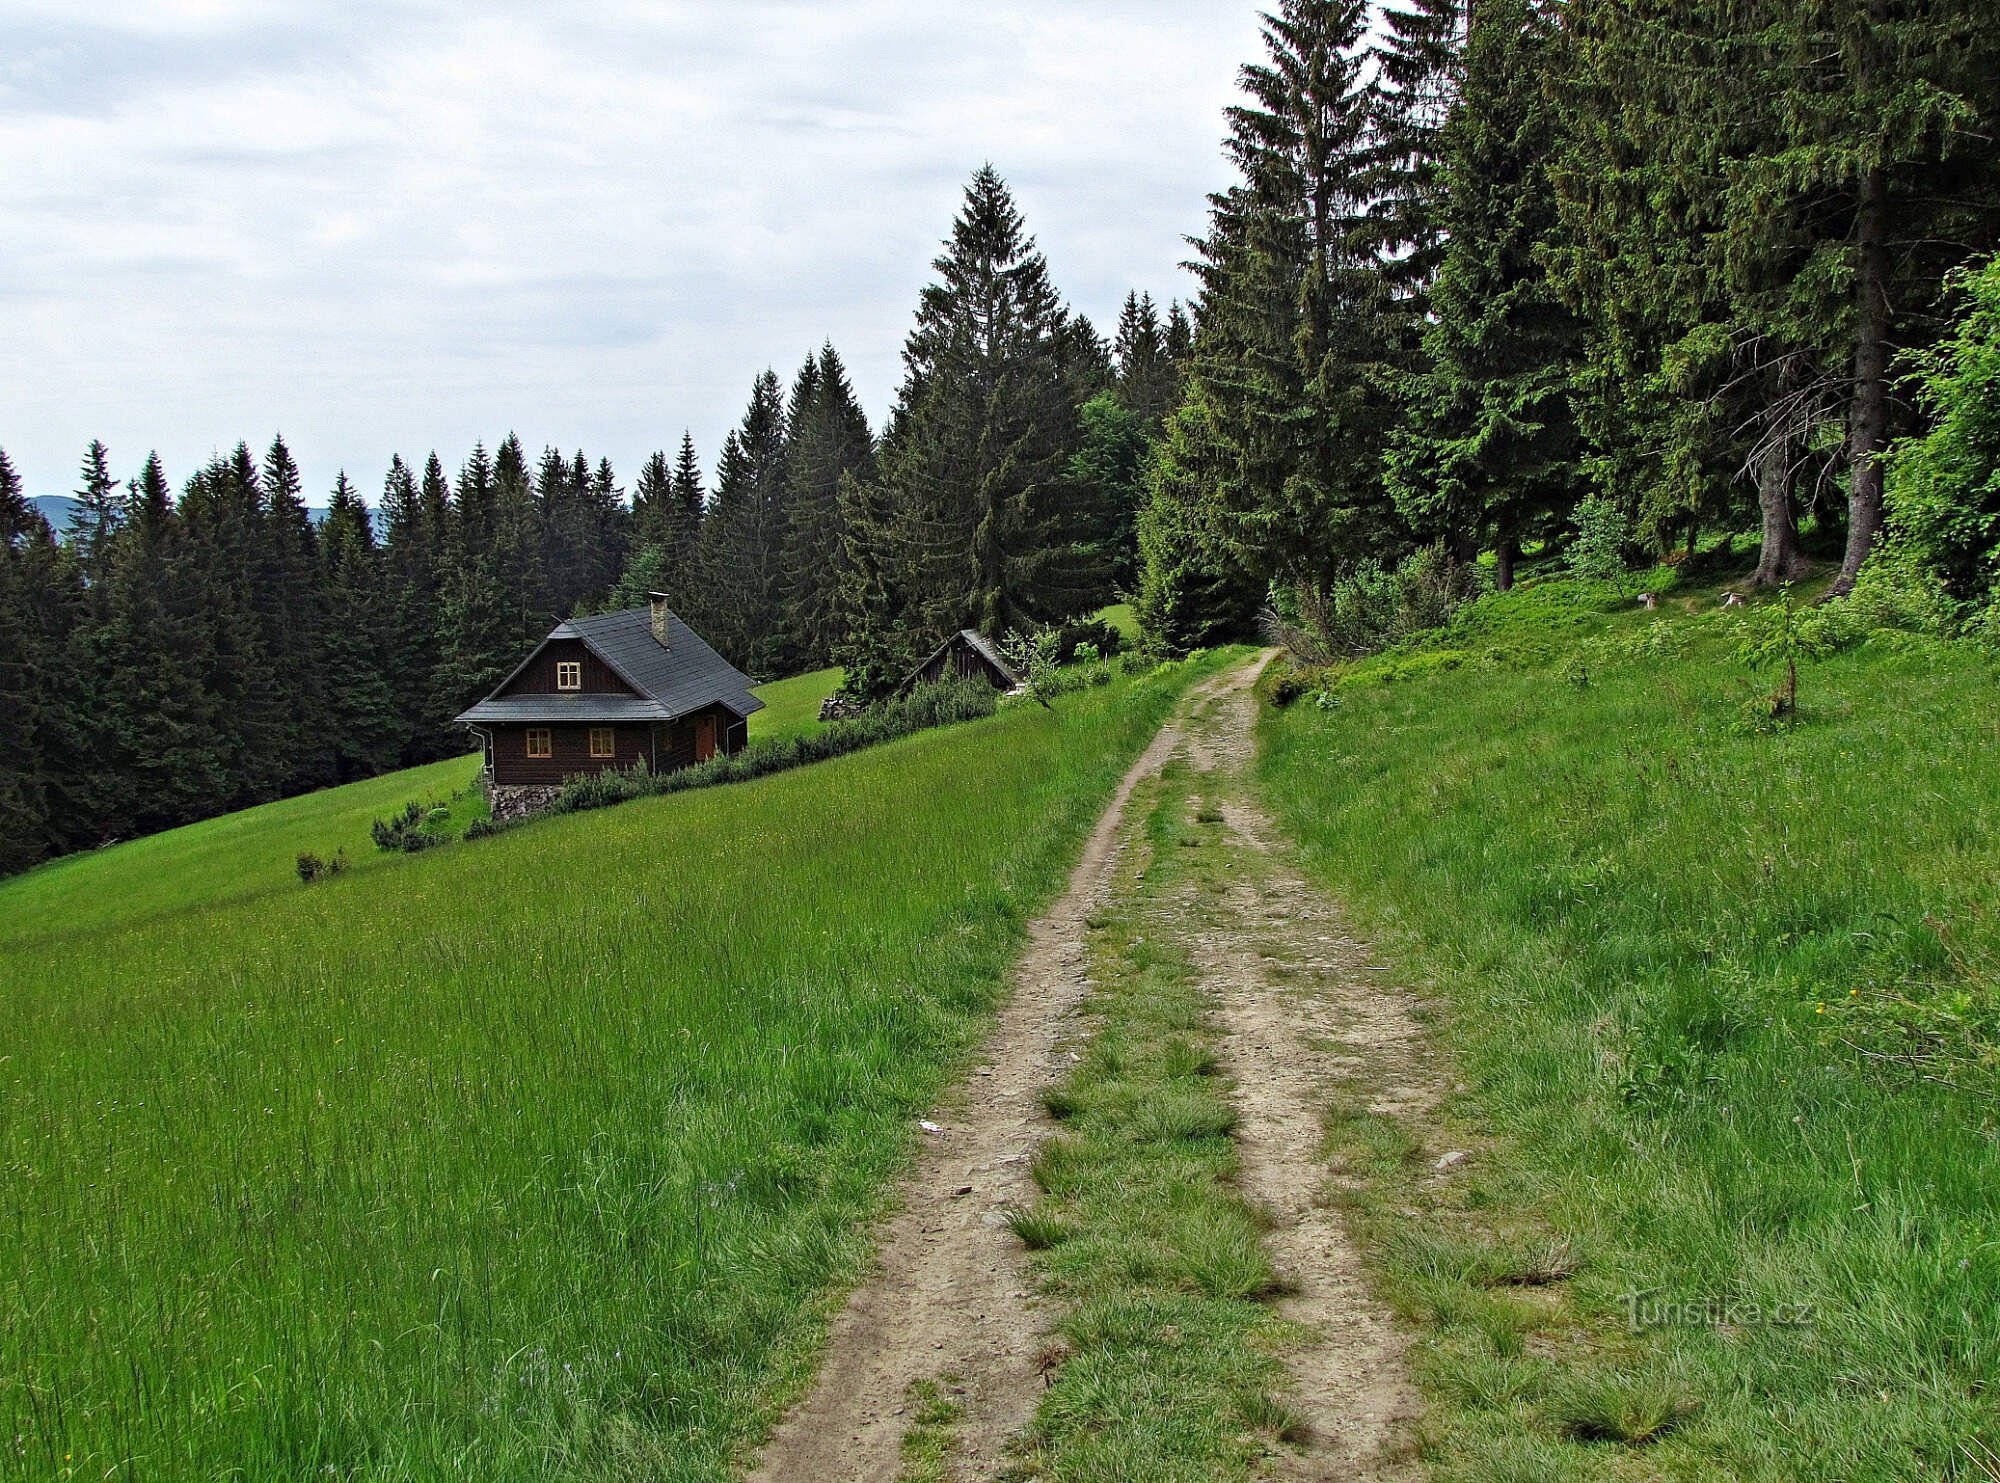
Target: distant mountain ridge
59 509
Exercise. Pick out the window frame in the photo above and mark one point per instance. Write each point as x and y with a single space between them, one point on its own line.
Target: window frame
610 752
546 737
569 674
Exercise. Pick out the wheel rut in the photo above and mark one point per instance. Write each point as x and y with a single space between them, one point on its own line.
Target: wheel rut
951 1295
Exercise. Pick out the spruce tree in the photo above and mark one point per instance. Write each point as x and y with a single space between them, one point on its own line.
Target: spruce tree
291 627
1489 446
827 441
1148 382
25 836
412 551
94 523
479 627
743 539
366 729
974 523
1297 333
1418 54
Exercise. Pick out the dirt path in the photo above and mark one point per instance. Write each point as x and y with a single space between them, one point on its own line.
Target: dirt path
1303 1008
950 1295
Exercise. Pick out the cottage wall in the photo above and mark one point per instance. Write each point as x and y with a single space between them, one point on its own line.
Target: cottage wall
570 748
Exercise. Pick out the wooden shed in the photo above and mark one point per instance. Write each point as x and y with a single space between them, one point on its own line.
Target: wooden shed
967 654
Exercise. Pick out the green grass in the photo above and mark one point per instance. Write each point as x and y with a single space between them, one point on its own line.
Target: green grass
1723 1000
1122 616
1172 1370
791 707
538 1156
254 852
229 859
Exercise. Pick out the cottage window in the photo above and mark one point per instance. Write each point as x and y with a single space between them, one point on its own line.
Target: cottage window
603 743
539 743
569 674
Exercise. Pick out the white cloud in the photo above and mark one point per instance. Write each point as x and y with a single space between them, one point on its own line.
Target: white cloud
385 227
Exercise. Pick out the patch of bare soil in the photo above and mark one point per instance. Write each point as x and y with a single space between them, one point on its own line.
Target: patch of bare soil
950 1294
1305 1010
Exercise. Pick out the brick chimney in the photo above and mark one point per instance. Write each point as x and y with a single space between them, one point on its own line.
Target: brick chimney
658 602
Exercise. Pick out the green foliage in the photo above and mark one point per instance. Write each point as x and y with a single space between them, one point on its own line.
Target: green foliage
1944 487
545 1153
1602 532
1488 444
1193 589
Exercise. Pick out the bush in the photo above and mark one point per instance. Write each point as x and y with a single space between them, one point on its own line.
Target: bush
919 710
1100 639
1601 533
1373 608
407 830
312 868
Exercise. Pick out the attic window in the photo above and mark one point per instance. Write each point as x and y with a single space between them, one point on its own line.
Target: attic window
569 674
603 743
539 744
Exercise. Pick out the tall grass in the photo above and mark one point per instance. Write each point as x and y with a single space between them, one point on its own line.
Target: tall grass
533 1159
1726 994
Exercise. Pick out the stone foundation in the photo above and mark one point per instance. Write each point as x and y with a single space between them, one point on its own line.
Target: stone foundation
510 803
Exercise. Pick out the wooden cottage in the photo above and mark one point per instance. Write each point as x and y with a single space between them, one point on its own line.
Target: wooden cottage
614 691
967 654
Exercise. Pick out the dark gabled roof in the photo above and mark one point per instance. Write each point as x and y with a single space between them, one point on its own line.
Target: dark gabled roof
569 708
670 682
976 641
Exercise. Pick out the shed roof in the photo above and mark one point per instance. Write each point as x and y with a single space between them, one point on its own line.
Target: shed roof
976 641
686 675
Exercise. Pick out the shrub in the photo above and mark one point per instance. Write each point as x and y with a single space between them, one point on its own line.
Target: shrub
312 868
1372 608
407 830
1601 533
1102 640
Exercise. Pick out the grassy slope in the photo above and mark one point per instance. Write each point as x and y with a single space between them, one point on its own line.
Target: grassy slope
232 858
252 853
534 1156
1671 955
791 707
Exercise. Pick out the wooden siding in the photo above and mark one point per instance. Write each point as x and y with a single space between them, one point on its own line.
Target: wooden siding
512 764
571 744
539 678
677 740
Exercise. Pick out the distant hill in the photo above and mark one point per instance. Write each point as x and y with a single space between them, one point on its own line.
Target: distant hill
58 508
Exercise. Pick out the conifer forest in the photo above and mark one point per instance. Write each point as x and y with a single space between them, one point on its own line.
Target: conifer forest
1488 279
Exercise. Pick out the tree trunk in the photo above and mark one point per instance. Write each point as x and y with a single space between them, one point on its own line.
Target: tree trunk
1780 561
1868 411
1505 553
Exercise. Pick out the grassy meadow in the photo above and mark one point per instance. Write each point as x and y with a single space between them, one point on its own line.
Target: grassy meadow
1721 996
535 1156
791 707
226 860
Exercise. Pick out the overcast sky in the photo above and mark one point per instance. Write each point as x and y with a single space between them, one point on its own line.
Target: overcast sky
386 227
